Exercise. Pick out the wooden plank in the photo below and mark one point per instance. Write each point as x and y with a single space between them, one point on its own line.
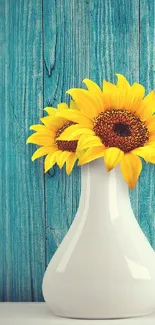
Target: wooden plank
114 39
22 256
147 78
66 63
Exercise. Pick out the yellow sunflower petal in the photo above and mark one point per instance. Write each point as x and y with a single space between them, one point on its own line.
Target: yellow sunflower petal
117 96
88 141
50 160
122 83
46 120
138 91
59 121
110 95
50 110
81 131
123 100
141 152
42 139
136 97
151 124
152 159
38 127
62 106
92 86
148 106
152 133
151 143
80 153
131 167
62 157
151 136
58 157
68 132
43 151
88 104
149 101
73 105
109 87
129 97
147 152
56 122
112 157
76 117
91 154
73 132
95 90
70 162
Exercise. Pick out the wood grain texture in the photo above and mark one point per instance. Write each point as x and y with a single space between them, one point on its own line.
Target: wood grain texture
47 47
146 196
22 233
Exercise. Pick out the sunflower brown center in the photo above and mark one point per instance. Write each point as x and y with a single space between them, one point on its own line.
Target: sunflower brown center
121 129
63 144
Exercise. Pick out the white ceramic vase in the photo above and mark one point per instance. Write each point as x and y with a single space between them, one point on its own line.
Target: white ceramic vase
105 266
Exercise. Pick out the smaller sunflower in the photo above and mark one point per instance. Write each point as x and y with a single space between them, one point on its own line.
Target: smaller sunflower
46 136
116 123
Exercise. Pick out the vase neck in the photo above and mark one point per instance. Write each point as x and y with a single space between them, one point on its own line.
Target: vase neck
102 190
96 175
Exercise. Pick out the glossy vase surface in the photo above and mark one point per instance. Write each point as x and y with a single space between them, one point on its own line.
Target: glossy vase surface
105 267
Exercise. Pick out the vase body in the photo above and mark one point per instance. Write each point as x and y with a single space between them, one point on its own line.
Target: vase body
105 267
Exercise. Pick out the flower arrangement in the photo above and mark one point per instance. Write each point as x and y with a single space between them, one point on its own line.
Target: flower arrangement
115 123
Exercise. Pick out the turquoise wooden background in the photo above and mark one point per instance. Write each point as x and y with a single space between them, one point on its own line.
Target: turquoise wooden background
47 46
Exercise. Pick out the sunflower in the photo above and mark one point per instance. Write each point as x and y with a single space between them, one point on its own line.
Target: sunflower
56 151
116 123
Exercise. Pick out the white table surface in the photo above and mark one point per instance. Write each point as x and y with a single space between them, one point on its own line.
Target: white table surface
39 314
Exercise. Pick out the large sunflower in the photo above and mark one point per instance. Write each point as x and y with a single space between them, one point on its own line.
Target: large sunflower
56 151
116 123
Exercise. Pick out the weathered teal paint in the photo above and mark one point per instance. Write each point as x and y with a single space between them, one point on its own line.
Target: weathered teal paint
47 47
22 221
